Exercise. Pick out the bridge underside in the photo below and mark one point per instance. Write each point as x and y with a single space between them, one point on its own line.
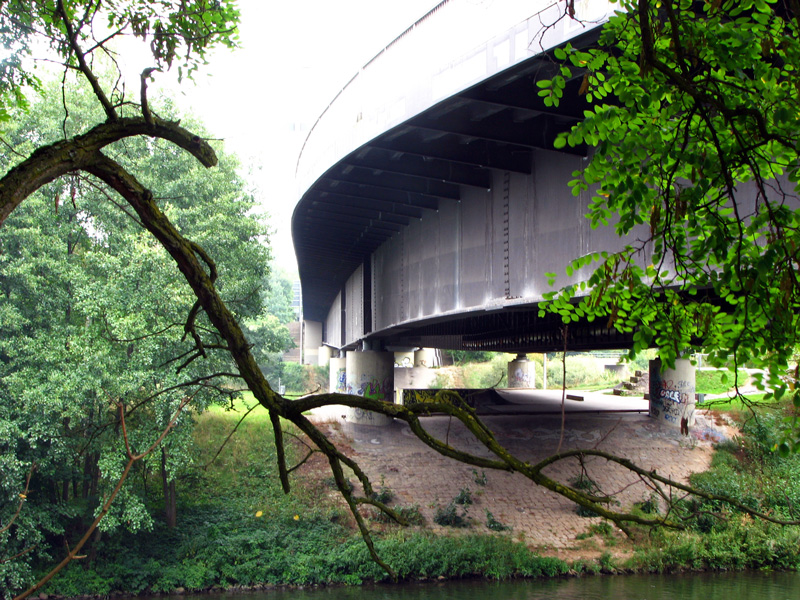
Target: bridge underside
519 330
439 232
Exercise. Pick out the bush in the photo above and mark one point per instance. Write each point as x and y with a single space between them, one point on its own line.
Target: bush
494 524
449 516
581 371
464 497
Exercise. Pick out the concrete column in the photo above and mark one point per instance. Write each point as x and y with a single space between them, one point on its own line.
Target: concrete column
337 382
672 394
423 357
521 372
404 359
324 354
369 374
312 340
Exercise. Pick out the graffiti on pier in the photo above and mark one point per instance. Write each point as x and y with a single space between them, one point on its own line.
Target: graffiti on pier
673 400
341 381
364 416
370 387
519 378
404 362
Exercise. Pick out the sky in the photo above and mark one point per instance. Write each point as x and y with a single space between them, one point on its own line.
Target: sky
295 56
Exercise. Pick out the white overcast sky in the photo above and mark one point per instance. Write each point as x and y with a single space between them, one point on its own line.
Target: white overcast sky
295 55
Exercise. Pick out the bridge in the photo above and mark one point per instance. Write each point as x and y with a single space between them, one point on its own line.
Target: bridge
432 201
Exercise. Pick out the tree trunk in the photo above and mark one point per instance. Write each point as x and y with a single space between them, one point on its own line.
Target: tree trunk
170 493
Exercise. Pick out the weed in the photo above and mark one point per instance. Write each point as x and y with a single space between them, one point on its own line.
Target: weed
331 483
602 529
584 484
649 506
464 497
479 479
411 514
607 563
449 516
384 495
494 524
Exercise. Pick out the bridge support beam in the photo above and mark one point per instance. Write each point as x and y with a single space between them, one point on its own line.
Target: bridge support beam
672 394
521 372
369 374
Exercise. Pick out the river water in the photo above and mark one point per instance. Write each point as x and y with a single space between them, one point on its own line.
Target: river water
714 586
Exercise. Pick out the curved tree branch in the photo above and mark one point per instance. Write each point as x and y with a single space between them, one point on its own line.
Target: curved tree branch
54 160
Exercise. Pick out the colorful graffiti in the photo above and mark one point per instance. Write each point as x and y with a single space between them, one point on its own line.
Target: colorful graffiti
341 381
520 378
372 388
672 400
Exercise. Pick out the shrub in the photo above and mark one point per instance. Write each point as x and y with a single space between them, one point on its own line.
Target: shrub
464 497
479 479
449 516
494 524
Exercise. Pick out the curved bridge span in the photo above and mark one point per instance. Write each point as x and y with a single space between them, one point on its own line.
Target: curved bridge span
431 200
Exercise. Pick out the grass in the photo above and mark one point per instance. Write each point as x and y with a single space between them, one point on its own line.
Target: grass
718 381
238 528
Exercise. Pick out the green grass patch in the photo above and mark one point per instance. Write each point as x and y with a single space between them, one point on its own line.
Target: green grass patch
720 537
718 381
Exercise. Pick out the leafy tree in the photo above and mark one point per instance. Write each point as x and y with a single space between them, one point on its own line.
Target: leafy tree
694 121
280 296
93 312
211 327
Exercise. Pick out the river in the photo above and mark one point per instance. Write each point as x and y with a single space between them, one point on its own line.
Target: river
703 586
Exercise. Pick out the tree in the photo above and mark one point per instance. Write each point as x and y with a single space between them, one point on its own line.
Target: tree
211 327
93 311
694 122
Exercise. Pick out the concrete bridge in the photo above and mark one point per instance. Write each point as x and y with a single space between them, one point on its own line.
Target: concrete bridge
432 202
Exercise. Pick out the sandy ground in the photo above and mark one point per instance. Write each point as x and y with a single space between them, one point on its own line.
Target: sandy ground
531 430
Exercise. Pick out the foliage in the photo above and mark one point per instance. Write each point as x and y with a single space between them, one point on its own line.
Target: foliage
410 513
450 516
461 357
479 479
93 157
723 538
178 31
464 497
718 381
493 524
584 483
222 540
280 296
693 120
582 371
383 495
92 314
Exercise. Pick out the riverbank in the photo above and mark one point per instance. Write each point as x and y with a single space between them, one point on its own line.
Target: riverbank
537 517
236 529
